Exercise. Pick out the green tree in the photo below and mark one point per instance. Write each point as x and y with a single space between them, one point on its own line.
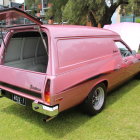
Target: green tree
56 10
132 8
32 5
99 12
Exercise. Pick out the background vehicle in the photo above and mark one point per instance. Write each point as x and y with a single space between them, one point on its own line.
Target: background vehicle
129 32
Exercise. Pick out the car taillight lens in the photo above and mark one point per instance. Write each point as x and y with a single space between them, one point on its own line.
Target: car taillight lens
47 97
47 92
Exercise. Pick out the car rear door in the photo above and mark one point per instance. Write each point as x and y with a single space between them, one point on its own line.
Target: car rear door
15 17
13 79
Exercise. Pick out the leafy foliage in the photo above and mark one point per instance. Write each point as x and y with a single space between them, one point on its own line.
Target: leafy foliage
99 12
138 20
32 5
56 10
132 8
75 12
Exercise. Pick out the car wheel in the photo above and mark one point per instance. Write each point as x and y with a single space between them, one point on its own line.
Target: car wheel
96 100
138 76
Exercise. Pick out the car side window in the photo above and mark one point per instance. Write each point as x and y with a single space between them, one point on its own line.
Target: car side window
123 49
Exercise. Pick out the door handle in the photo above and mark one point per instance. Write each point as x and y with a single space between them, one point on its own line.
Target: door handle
128 62
118 67
125 60
115 51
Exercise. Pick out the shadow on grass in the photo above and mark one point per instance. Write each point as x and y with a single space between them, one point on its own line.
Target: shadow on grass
59 127
120 91
67 121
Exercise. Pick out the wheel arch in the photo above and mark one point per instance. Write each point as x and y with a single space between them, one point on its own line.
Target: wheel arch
104 81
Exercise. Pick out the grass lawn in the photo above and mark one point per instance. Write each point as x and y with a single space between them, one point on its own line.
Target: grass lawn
120 120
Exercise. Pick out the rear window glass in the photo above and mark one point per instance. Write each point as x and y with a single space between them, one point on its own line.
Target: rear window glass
15 21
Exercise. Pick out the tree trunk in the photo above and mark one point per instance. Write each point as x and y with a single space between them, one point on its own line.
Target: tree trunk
106 18
92 19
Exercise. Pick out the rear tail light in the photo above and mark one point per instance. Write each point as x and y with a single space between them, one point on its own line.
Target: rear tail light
47 92
47 97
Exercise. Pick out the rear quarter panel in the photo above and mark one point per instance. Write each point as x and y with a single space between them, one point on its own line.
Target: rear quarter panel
79 66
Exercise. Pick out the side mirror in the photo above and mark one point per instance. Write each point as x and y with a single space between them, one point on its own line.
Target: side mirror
134 52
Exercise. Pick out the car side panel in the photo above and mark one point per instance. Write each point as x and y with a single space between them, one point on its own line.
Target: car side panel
77 94
73 85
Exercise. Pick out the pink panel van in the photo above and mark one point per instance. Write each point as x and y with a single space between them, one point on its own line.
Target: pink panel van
53 68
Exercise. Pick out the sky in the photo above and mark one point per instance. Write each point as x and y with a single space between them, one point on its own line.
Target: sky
19 1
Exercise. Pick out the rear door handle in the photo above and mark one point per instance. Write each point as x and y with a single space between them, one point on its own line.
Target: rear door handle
115 51
118 67
128 62
125 60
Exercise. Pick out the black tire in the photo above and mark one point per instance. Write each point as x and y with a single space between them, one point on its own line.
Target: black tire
138 76
95 101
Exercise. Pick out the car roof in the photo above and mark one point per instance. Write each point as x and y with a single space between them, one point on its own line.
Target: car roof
74 30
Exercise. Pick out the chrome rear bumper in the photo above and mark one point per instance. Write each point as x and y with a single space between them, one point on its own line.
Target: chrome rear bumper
38 107
46 110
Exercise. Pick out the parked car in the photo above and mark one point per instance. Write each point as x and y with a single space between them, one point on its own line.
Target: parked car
55 67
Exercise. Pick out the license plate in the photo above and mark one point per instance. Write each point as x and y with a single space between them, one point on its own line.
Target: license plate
19 99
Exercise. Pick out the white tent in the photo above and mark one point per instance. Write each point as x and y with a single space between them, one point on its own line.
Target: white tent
129 32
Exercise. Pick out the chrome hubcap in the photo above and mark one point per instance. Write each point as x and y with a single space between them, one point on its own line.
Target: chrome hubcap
98 98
